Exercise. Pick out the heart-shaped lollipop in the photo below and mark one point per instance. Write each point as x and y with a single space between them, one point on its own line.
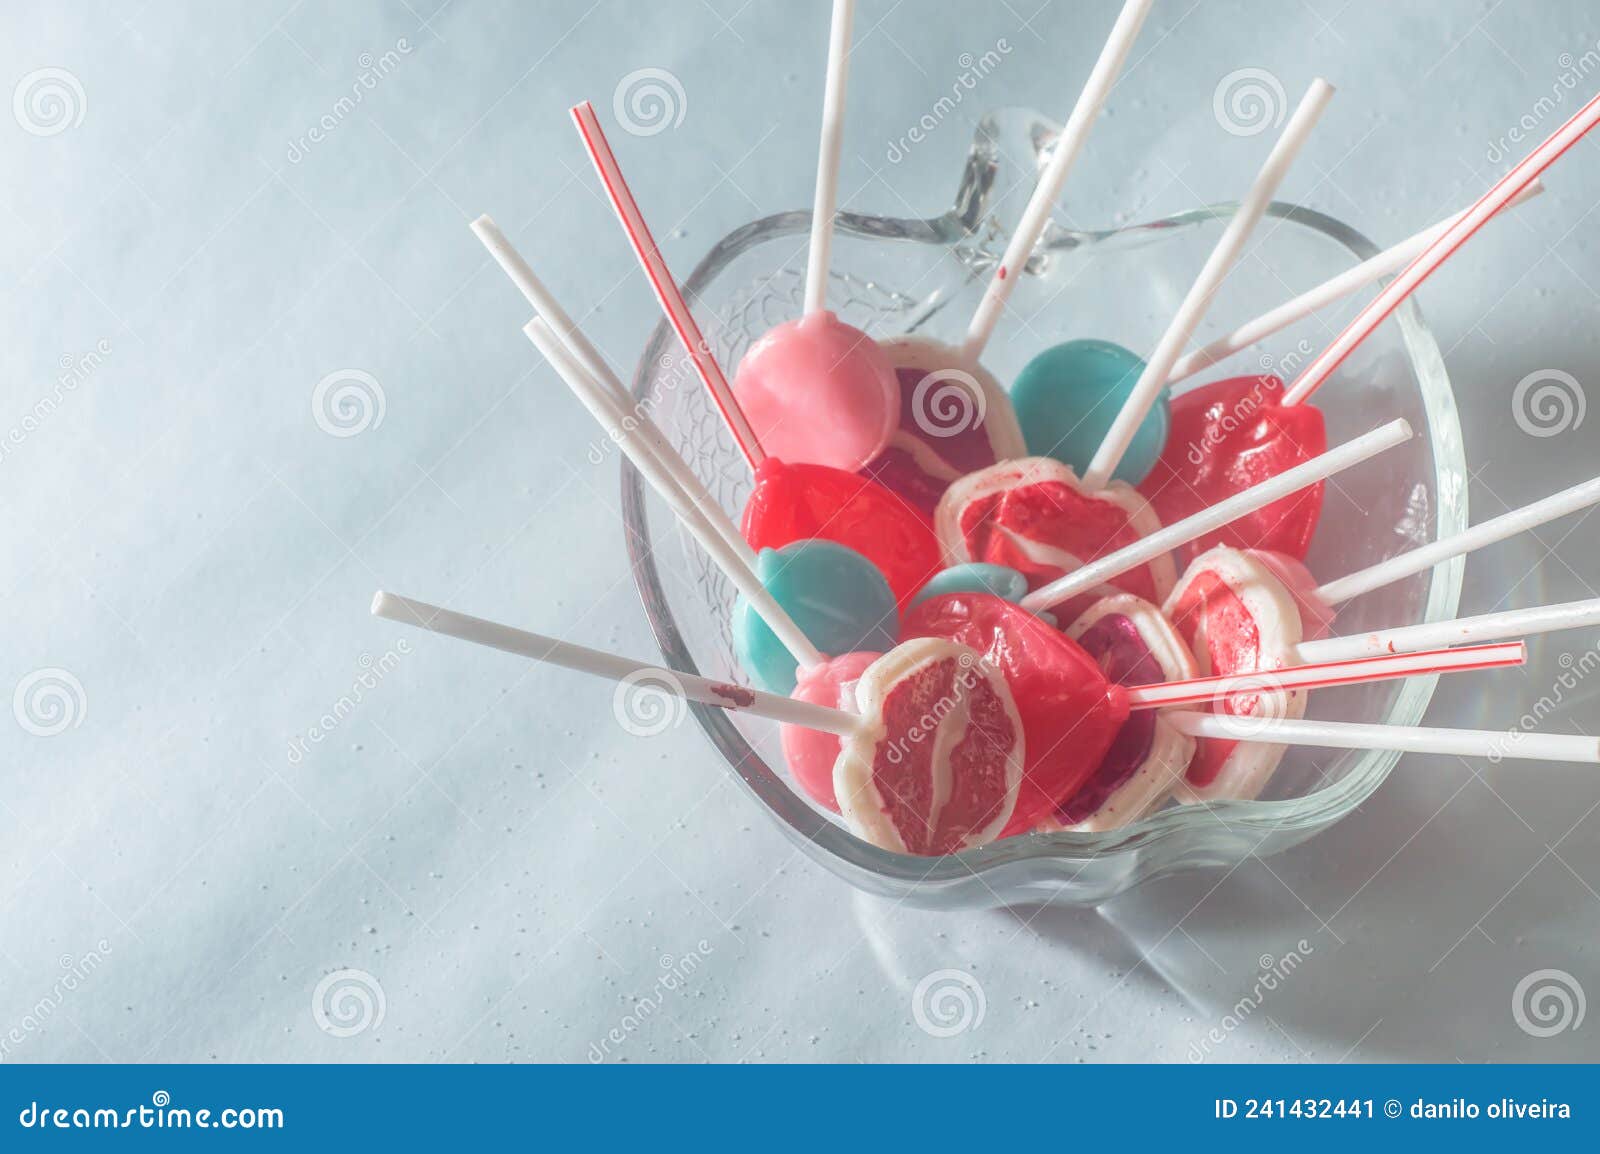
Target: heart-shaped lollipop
935 765
1135 645
1069 712
1033 515
1227 436
793 502
1239 613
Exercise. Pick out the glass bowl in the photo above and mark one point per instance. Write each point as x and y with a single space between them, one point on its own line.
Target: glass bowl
1123 284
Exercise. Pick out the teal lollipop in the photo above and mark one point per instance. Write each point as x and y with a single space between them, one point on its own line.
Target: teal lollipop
1067 397
836 596
979 577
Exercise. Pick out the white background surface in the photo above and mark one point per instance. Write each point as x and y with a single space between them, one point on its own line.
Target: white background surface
514 871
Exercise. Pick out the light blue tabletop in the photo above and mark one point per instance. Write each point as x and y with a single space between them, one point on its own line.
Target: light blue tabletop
255 366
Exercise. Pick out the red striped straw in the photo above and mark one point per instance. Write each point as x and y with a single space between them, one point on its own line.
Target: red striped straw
1506 190
1321 675
666 289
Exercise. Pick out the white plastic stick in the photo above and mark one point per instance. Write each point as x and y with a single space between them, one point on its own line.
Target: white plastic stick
1036 215
1195 691
1166 539
1193 309
1439 251
611 665
696 519
655 441
660 278
1509 745
1462 631
826 201
1427 556
1386 263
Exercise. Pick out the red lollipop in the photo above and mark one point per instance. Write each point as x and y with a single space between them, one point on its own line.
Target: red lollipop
1070 713
1225 437
799 502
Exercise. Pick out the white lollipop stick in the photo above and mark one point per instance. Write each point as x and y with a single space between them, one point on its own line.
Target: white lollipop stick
1498 744
614 667
1487 627
1369 271
1037 213
1439 251
655 441
1193 309
1166 539
825 203
699 521
1467 659
660 277
1427 556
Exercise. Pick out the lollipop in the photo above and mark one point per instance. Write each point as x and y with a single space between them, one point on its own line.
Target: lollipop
836 597
1248 612
1275 447
954 416
1134 643
934 767
1069 712
817 390
790 501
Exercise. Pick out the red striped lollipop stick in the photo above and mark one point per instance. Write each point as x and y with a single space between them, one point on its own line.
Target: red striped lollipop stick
660 277
1507 189
1200 690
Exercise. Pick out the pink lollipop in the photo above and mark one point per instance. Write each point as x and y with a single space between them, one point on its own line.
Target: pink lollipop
818 390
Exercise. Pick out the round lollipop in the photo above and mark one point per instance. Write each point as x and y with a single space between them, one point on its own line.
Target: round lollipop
818 390
954 416
835 595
